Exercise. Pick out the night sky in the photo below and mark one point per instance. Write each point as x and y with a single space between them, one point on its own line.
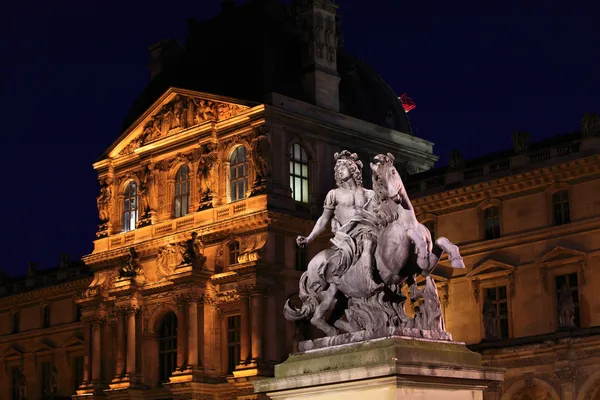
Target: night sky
477 70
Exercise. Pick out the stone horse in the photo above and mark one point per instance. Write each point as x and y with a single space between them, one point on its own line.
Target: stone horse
404 249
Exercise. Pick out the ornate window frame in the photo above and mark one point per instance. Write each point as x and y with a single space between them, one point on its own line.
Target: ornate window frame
121 201
226 165
550 192
172 179
313 165
561 261
490 274
481 216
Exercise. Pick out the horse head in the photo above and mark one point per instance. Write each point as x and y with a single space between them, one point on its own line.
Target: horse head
387 183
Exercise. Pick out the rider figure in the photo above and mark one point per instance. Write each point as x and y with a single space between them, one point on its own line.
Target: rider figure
349 207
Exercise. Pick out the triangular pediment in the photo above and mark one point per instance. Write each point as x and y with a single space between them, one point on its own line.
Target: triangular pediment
175 111
11 352
438 279
41 347
558 254
73 342
490 269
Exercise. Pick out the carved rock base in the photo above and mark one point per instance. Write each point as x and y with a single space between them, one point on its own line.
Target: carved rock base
355 337
387 368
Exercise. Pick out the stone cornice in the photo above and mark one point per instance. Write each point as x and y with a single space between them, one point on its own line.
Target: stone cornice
510 186
35 295
44 333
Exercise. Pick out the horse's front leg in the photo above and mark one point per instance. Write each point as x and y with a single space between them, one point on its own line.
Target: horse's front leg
327 303
456 260
421 249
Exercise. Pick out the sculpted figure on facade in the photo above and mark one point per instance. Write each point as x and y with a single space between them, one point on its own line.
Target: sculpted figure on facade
204 110
207 174
166 261
378 246
104 200
566 308
261 155
131 267
590 124
193 251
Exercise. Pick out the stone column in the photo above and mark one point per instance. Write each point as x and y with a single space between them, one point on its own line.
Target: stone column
257 325
567 383
193 333
182 329
97 350
130 369
245 328
120 344
139 326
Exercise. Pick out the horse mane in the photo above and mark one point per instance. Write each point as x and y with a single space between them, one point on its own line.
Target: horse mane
385 210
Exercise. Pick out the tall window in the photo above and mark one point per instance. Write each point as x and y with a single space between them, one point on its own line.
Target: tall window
560 207
16 374
238 173
495 313
46 314
567 296
234 252
301 258
234 329
77 372
167 349
130 207
491 223
431 226
181 202
299 174
15 322
46 384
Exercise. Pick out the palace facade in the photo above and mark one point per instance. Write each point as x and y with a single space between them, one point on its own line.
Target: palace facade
527 222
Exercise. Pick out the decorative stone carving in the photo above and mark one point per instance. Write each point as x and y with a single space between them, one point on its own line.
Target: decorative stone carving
131 267
145 177
566 308
193 251
168 257
590 125
520 141
207 175
104 201
261 158
376 234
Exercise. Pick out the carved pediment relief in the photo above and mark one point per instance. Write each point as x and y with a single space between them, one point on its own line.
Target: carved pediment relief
491 269
12 353
73 342
175 111
42 348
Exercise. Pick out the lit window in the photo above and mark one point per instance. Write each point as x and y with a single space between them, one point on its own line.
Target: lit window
495 313
238 173
234 252
167 346
299 173
181 203
431 226
491 223
560 207
567 299
130 207
234 329
301 258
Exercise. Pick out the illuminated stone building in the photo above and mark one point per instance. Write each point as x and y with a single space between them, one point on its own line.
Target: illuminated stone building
223 161
528 225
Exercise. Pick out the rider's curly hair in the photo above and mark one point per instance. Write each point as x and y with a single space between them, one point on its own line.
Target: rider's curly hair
354 165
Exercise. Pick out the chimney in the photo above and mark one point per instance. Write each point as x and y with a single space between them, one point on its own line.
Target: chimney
163 55
319 32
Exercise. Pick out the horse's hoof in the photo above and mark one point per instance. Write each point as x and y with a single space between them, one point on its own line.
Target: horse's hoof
457 263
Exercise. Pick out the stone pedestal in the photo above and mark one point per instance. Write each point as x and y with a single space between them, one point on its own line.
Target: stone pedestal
393 367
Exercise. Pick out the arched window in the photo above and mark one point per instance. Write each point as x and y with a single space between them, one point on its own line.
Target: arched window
491 223
234 252
167 347
299 173
560 208
181 202
238 173
130 207
431 226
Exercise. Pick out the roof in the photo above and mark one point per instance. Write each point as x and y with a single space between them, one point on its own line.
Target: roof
254 49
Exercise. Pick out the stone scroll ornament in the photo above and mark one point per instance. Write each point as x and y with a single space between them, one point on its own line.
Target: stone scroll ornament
378 247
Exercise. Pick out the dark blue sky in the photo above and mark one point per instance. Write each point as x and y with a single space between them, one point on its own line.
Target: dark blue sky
477 70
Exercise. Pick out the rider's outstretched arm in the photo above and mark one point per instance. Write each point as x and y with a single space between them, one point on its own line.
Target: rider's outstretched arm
321 224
